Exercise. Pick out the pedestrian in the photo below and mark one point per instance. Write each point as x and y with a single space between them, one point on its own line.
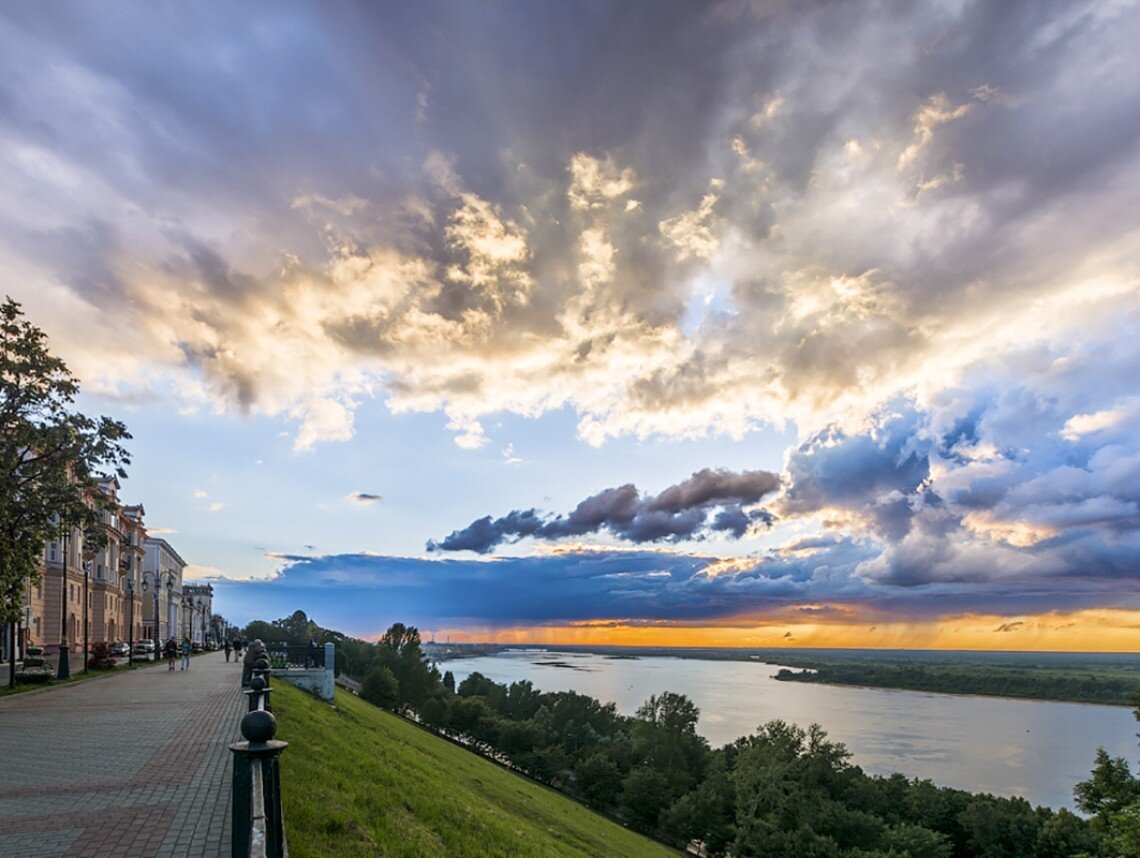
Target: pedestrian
311 653
228 648
252 652
170 650
238 645
185 654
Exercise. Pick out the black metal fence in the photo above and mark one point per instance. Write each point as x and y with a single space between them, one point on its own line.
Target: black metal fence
283 656
258 826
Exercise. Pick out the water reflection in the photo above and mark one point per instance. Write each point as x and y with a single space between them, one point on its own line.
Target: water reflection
1036 749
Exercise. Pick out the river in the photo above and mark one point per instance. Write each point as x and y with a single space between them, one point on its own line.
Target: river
1032 748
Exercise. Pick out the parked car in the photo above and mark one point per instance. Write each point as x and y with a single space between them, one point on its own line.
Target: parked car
144 647
120 648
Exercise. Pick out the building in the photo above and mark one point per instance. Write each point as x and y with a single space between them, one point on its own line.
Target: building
109 585
90 583
162 588
199 603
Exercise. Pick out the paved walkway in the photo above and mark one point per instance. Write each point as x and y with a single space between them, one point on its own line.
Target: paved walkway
134 765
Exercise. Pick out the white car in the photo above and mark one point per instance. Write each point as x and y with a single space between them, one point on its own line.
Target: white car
144 647
120 648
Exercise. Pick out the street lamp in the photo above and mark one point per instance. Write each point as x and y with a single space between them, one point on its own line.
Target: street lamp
169 602
154 636
131 596
89 552
63 670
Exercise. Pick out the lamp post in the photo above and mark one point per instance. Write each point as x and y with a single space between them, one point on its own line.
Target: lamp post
63 669
89 551
131 596
169 602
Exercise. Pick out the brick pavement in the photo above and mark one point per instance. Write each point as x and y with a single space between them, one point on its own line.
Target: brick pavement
135 764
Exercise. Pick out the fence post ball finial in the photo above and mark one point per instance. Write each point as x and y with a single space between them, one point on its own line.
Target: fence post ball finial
258 683
259 726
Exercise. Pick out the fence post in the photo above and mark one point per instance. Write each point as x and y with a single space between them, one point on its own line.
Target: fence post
257 757
330 671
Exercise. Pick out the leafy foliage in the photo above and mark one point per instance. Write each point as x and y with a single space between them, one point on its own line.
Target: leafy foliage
782 791
51 456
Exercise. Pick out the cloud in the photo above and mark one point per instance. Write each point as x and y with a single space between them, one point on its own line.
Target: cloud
882 203
708 501
363 498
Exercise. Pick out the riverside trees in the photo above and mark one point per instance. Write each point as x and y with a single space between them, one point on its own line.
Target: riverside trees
1112 794
782 791
51 458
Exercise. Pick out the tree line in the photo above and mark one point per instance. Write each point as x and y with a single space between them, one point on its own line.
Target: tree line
1089 685
783 790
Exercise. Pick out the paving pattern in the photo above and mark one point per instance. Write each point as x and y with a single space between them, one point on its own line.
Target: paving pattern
135 764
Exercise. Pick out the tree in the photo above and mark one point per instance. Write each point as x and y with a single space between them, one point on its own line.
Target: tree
1113 795
643 797
449 681
598 779
399 650
51 457
380 688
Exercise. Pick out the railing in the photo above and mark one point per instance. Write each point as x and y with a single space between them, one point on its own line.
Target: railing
258 827
282 656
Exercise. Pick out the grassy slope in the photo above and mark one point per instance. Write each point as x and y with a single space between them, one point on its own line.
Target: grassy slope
359 781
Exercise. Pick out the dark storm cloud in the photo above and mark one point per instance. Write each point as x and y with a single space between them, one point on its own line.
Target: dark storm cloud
679 512
366 592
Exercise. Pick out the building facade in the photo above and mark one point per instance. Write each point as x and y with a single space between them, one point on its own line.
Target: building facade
198 600
105 584
162 590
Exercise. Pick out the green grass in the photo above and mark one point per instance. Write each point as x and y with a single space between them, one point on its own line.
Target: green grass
360 781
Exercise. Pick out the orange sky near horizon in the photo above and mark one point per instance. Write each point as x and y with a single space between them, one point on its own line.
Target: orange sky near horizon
1107 630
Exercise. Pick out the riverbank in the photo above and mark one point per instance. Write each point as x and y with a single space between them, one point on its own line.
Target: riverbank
1114 687
1106 678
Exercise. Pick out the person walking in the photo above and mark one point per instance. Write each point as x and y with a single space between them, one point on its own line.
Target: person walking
238 644
228 648
170 650
255 649
185 654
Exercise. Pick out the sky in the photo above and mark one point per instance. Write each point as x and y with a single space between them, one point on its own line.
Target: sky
726 323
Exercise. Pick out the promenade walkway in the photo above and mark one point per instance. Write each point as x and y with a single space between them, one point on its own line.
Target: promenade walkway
135 764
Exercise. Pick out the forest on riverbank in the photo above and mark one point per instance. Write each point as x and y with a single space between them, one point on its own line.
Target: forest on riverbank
783 790
1111 685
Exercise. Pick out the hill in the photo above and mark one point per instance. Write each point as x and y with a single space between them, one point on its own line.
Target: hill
359 781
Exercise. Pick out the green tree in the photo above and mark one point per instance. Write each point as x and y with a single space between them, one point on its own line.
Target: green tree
51 457
598 779
643 796
1113 795
380 688
665 735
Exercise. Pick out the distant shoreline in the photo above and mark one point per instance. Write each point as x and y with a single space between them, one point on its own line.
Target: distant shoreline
1106 679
